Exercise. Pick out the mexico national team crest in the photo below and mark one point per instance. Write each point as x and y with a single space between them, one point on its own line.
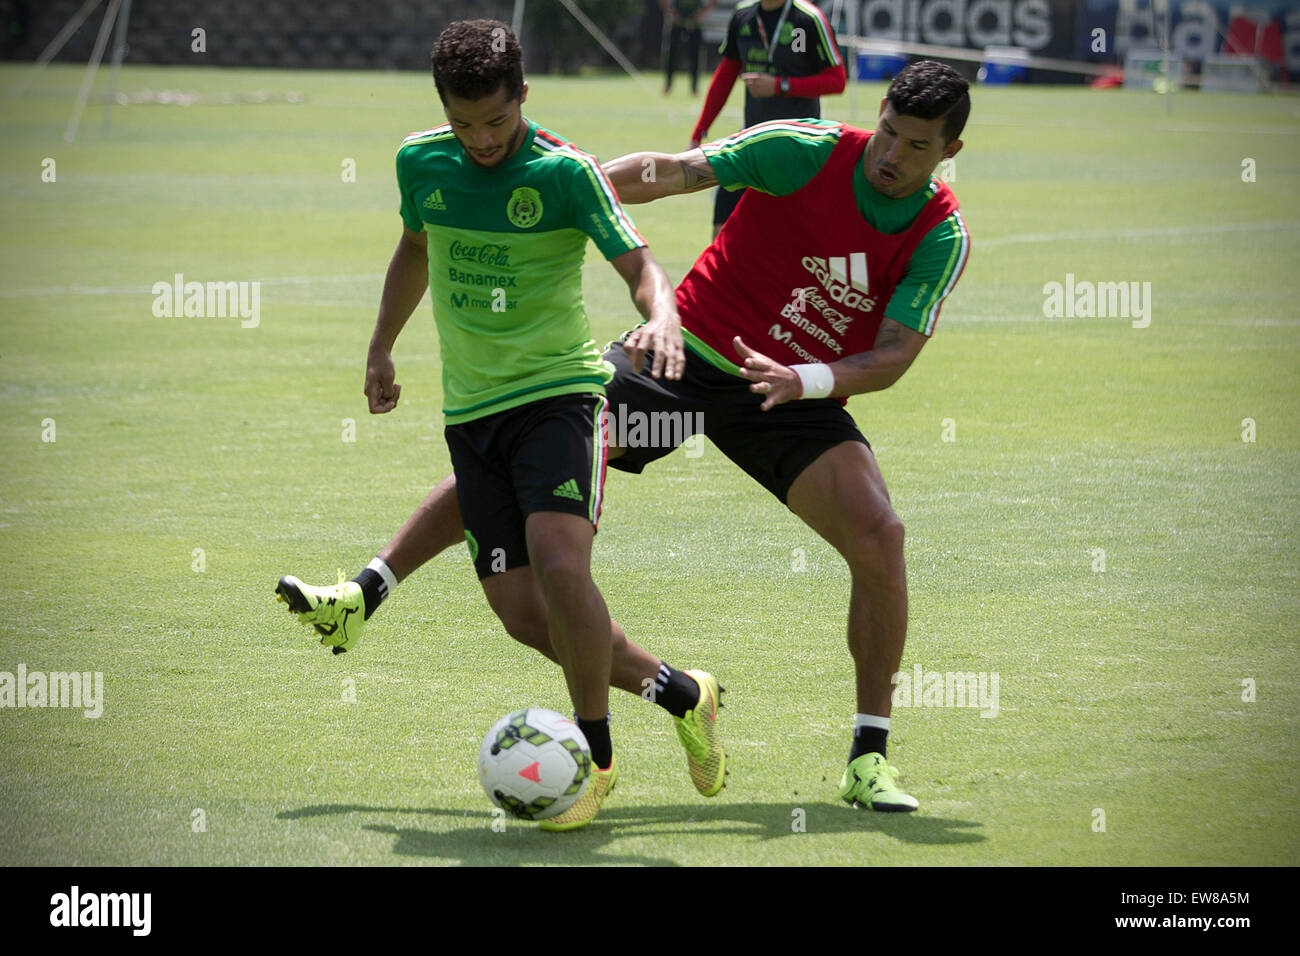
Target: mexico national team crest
525 207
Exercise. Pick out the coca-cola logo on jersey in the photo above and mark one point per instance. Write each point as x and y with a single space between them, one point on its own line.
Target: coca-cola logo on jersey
968 23
488 254
809 295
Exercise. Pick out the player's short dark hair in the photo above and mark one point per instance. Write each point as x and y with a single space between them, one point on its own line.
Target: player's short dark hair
472 58
928 90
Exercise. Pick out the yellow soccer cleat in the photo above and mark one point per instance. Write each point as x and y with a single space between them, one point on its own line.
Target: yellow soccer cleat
870 781
338 612
584 811
698 732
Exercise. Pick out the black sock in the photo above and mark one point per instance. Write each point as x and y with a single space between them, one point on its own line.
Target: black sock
597 734
675 691
868 740
373 589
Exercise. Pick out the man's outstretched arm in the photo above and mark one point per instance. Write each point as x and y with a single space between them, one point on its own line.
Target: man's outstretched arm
645 177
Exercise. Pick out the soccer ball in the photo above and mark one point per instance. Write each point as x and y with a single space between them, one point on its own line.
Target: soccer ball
534 763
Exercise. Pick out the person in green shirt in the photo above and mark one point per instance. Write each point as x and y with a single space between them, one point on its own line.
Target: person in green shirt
496 214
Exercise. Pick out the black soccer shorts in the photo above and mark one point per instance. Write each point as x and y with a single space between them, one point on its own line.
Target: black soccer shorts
547 455
772 447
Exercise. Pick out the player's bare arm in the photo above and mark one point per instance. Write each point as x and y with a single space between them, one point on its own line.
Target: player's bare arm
895 349
655 300
645 177
404 287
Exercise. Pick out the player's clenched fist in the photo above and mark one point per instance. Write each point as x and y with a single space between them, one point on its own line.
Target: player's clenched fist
381 391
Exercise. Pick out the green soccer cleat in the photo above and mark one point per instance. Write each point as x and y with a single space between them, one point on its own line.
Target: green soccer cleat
584 811
871 782
338 612
698 732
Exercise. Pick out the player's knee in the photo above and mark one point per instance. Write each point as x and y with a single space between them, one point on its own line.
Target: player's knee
874 541
886 532
520 607
528 627
560 572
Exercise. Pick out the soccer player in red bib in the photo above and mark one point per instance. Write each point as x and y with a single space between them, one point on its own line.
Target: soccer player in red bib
825 283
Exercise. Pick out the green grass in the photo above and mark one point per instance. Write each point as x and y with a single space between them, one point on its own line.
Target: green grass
1120 691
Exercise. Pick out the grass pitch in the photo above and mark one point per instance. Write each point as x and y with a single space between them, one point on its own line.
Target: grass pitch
194 461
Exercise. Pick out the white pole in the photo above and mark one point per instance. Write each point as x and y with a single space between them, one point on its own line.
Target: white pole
119 51
605 42
852 78
517 21
1164 43
101 41
51 51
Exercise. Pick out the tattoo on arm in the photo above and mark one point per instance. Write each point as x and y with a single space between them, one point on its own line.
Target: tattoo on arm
857 360
696 174
890 334
888 338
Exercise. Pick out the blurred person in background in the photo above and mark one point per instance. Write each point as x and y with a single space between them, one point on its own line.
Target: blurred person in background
683 19
785 53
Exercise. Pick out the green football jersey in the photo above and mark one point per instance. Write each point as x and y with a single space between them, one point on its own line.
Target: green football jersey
506 246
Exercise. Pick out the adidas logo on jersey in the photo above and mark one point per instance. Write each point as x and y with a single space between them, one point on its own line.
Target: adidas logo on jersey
434 201
846 286
568 490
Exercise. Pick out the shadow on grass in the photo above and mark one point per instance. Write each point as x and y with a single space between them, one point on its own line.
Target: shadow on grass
474 841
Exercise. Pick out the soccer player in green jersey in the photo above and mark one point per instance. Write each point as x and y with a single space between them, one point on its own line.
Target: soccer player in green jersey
496 215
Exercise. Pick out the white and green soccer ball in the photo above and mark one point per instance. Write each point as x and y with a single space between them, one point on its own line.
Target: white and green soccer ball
534 763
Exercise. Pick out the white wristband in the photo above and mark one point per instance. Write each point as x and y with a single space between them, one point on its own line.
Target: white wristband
818 380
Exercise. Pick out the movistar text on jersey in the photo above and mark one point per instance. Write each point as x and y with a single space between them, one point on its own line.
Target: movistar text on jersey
786 336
